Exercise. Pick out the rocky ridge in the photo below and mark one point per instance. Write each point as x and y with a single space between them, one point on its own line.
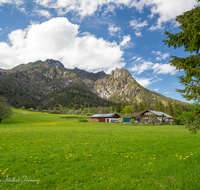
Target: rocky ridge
41 78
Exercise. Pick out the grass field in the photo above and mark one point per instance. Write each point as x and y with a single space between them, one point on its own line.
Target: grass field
58 152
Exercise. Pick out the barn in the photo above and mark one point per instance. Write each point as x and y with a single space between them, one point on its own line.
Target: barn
107 118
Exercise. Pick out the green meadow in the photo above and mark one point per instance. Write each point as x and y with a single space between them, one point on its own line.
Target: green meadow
47 151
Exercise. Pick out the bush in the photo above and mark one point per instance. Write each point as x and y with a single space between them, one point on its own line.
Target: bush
23 108
30 109
120 120
132 121
77 112
82 120
143 121
157 121
55 112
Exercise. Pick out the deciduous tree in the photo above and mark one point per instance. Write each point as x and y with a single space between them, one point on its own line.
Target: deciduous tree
152 118
191 118
5 110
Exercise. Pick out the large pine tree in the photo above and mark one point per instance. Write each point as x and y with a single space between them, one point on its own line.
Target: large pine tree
189 38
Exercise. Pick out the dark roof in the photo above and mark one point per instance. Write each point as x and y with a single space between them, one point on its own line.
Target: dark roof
136 114
105 115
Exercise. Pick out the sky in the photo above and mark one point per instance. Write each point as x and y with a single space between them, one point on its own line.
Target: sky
96 35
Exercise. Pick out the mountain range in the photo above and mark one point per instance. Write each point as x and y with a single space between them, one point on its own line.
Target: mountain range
48 83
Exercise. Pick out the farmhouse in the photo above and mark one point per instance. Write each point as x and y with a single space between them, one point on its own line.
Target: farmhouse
107 118
158 114
137 116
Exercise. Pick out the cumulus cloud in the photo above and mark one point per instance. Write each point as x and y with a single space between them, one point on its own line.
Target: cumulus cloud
168 10
138 33
59 39
144 81
136 25
156 89
125 42
44 13
17 2
109 9
156 52
139 68
113 30
163 10
147 81
164 69
160 55
163 57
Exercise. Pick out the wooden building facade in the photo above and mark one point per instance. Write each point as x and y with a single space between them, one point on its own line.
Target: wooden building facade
107 118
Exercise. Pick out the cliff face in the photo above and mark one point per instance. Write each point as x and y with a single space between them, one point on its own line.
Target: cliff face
120 87
119 82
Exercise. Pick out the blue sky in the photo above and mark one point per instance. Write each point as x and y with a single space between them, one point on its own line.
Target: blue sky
95 35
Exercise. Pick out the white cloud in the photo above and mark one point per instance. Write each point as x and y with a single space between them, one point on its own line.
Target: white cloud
167 92
144 81
161 56
44 13
138 59
137 26
83 7
167 10
164 69
137 33
156 52
147 81
59 39
139 68
17 2
109 9
165 55
163 10
113 30
156 89
125 41
133 58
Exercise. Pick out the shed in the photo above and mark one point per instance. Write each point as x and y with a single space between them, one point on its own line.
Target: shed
107 118
127 118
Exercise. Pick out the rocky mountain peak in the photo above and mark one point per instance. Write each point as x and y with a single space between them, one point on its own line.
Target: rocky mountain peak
121 73
54 63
